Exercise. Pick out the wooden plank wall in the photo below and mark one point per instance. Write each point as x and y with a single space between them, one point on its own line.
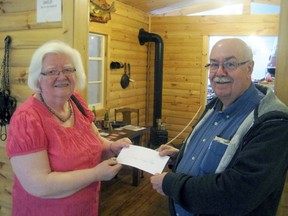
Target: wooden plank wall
281 87
123 46
185 54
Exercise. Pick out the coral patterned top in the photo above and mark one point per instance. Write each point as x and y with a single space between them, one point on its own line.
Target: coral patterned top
33 128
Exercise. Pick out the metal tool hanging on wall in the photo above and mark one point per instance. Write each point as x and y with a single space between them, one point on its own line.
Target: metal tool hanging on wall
7 102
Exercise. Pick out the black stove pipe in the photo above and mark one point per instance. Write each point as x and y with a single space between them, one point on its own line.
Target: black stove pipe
143 37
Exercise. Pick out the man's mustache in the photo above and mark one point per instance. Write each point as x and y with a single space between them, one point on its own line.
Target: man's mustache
221 79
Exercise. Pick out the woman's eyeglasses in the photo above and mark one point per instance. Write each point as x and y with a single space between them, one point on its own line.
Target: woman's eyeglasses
54 72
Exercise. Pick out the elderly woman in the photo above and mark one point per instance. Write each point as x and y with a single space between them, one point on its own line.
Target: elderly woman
56 152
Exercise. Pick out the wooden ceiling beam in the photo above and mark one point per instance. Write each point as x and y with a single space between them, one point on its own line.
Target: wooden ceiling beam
184 7
272 2
206 7
181 10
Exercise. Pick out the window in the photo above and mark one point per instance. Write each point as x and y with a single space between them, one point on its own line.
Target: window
96 70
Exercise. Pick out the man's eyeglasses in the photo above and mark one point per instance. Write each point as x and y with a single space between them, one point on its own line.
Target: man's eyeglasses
230 66
54 72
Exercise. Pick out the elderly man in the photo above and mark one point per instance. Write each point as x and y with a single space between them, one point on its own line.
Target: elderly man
234 162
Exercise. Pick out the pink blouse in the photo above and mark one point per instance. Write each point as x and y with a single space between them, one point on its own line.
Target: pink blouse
33 128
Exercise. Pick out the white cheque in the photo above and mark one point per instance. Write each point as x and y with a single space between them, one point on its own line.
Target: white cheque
142 158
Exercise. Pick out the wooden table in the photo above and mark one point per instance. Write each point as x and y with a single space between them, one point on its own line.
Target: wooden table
134 136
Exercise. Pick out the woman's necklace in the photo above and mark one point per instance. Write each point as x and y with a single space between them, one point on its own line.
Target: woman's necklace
54 113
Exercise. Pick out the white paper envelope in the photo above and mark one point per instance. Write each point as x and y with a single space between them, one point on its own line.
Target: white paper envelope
142 158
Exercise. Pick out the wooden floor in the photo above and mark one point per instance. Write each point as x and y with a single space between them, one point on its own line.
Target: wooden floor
119 198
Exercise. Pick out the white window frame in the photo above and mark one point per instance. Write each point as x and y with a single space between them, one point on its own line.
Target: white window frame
100 58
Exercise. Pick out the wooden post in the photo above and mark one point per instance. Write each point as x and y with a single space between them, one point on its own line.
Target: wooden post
81 32
281 81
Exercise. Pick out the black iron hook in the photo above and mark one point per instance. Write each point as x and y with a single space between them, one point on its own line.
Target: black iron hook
8 39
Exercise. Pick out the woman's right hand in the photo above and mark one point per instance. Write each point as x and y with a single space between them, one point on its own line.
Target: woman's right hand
107 169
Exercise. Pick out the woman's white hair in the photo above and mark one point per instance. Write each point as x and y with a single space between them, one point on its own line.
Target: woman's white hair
55 47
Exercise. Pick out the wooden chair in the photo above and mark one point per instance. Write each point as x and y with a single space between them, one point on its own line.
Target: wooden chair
127 114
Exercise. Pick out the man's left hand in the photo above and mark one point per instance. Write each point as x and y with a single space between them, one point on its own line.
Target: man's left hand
156 182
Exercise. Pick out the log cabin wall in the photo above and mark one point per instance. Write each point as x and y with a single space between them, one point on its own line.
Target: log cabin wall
18 19
123 46
186 43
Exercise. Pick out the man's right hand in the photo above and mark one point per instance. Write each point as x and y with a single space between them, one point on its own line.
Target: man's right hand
167 150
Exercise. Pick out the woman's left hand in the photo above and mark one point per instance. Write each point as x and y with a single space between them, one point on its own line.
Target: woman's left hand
116 147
